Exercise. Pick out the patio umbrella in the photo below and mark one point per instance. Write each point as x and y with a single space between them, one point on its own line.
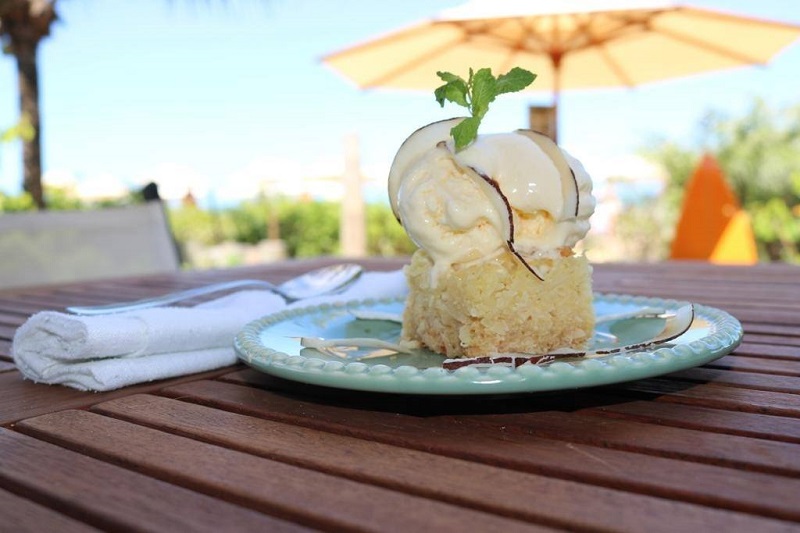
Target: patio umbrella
569 44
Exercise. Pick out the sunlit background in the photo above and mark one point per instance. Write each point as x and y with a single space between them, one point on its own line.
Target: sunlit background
229 109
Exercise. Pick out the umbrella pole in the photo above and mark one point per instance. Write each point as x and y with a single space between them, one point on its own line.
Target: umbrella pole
544 118
556 59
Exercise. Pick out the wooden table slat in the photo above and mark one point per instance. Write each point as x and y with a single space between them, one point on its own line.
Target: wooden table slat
719 396
314 498
790 353
742 491
759 365
7 332
21 398
732 451
557 502
779 340
748 380
21 515
775 329
70 482
707 419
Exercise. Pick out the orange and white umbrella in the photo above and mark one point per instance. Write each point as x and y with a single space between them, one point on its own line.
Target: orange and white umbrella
569 44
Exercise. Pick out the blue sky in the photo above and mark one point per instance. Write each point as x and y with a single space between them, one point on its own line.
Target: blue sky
221 94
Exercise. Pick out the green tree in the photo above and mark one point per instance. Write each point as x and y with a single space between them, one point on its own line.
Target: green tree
190 223
760 151
23 25
778 226
310 228
307 228
760 155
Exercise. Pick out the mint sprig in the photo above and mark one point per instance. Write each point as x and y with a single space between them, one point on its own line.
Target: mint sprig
476 93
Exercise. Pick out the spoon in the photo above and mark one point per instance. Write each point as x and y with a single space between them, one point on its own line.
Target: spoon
326 280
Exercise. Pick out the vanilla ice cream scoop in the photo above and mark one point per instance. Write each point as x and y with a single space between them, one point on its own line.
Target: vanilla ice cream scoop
513 191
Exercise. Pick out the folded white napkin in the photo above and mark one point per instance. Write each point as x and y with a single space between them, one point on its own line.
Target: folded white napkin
107 352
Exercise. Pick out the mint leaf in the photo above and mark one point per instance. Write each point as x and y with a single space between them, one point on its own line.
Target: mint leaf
455 90
514 80
483 92
476 93
449 76
465 132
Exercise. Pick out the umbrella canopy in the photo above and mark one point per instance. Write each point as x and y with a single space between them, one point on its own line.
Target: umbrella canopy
569 44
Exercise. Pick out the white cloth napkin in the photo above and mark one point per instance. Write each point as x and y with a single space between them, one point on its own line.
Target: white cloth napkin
106 352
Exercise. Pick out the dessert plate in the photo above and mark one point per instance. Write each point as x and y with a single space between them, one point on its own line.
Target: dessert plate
274 345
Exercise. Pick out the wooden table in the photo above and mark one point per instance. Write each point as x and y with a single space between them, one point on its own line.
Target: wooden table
715 448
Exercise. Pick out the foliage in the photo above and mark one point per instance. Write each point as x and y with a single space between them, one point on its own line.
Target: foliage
678 162
61 199
21 130
190 223
307 228
11 204
58 199
247 223
310 228
777 226
759 152
645 229
760 155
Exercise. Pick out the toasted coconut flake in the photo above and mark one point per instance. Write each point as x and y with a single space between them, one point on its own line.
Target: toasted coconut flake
341 347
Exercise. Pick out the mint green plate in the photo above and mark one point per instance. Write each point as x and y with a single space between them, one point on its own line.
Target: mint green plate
272 345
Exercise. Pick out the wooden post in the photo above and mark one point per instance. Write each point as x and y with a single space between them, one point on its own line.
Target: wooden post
543 120
352 229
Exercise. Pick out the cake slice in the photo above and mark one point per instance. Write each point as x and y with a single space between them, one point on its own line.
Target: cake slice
497 306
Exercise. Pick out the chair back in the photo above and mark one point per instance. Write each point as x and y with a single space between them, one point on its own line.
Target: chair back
48 247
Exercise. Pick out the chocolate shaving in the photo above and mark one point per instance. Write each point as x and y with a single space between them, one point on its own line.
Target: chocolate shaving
510 240
529 267
496 187
577 192
513 361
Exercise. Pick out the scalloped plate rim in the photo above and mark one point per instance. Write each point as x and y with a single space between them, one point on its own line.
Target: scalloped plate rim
611 369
